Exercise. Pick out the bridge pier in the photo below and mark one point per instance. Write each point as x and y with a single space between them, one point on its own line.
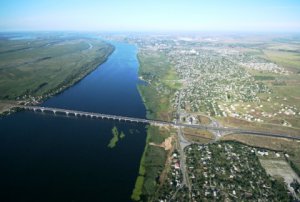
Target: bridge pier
155 122
85 114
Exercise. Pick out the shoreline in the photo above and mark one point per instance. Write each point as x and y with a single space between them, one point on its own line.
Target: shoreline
152 162
7 108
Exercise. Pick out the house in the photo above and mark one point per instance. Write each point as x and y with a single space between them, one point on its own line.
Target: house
177 165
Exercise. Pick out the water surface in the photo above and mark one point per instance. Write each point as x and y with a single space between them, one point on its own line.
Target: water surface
48 157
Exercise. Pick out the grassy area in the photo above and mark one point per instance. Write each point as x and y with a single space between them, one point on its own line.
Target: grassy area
279 168
122 135
137 192
152 164
234 122
203 119
162 83
263 77
6 106
41 67
198 139
287 59
116 137
199 136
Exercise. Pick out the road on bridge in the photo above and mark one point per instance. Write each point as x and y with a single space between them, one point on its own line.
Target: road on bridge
158 122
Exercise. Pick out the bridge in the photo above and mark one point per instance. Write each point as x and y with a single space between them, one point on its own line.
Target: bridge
77 113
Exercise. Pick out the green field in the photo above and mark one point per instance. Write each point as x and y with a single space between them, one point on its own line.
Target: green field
152 164
41 67
162 83
290 60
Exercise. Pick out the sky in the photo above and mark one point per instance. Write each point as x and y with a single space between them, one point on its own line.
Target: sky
150 15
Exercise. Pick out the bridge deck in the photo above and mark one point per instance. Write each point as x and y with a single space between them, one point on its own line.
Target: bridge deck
155 122
94 115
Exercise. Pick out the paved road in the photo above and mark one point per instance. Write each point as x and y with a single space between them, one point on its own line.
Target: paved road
241 131
182 144
214 127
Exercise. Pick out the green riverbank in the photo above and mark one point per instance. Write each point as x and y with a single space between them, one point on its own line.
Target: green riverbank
33 70
159 74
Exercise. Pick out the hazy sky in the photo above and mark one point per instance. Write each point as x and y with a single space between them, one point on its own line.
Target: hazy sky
150 15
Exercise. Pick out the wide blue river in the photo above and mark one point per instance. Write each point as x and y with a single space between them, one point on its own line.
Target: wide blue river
46 157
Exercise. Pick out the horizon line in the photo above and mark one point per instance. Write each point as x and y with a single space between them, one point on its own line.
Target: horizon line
156 31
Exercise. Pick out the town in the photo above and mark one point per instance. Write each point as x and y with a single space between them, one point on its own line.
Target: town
219 81
216 83
225 171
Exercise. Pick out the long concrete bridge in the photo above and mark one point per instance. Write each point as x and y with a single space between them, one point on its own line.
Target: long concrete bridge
77 113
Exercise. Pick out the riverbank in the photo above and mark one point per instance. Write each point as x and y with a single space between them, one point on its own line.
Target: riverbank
6 107
157 149
157 72
33 78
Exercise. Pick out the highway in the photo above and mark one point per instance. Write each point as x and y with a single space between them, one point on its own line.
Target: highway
240 131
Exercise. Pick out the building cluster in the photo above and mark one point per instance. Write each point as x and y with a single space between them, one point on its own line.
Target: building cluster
216 80
228 172
253 62
210 79
173 189
224 171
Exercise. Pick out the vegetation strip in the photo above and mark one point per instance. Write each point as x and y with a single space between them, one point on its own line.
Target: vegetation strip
116 137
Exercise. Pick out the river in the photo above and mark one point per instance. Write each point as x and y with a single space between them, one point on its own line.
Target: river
48 157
